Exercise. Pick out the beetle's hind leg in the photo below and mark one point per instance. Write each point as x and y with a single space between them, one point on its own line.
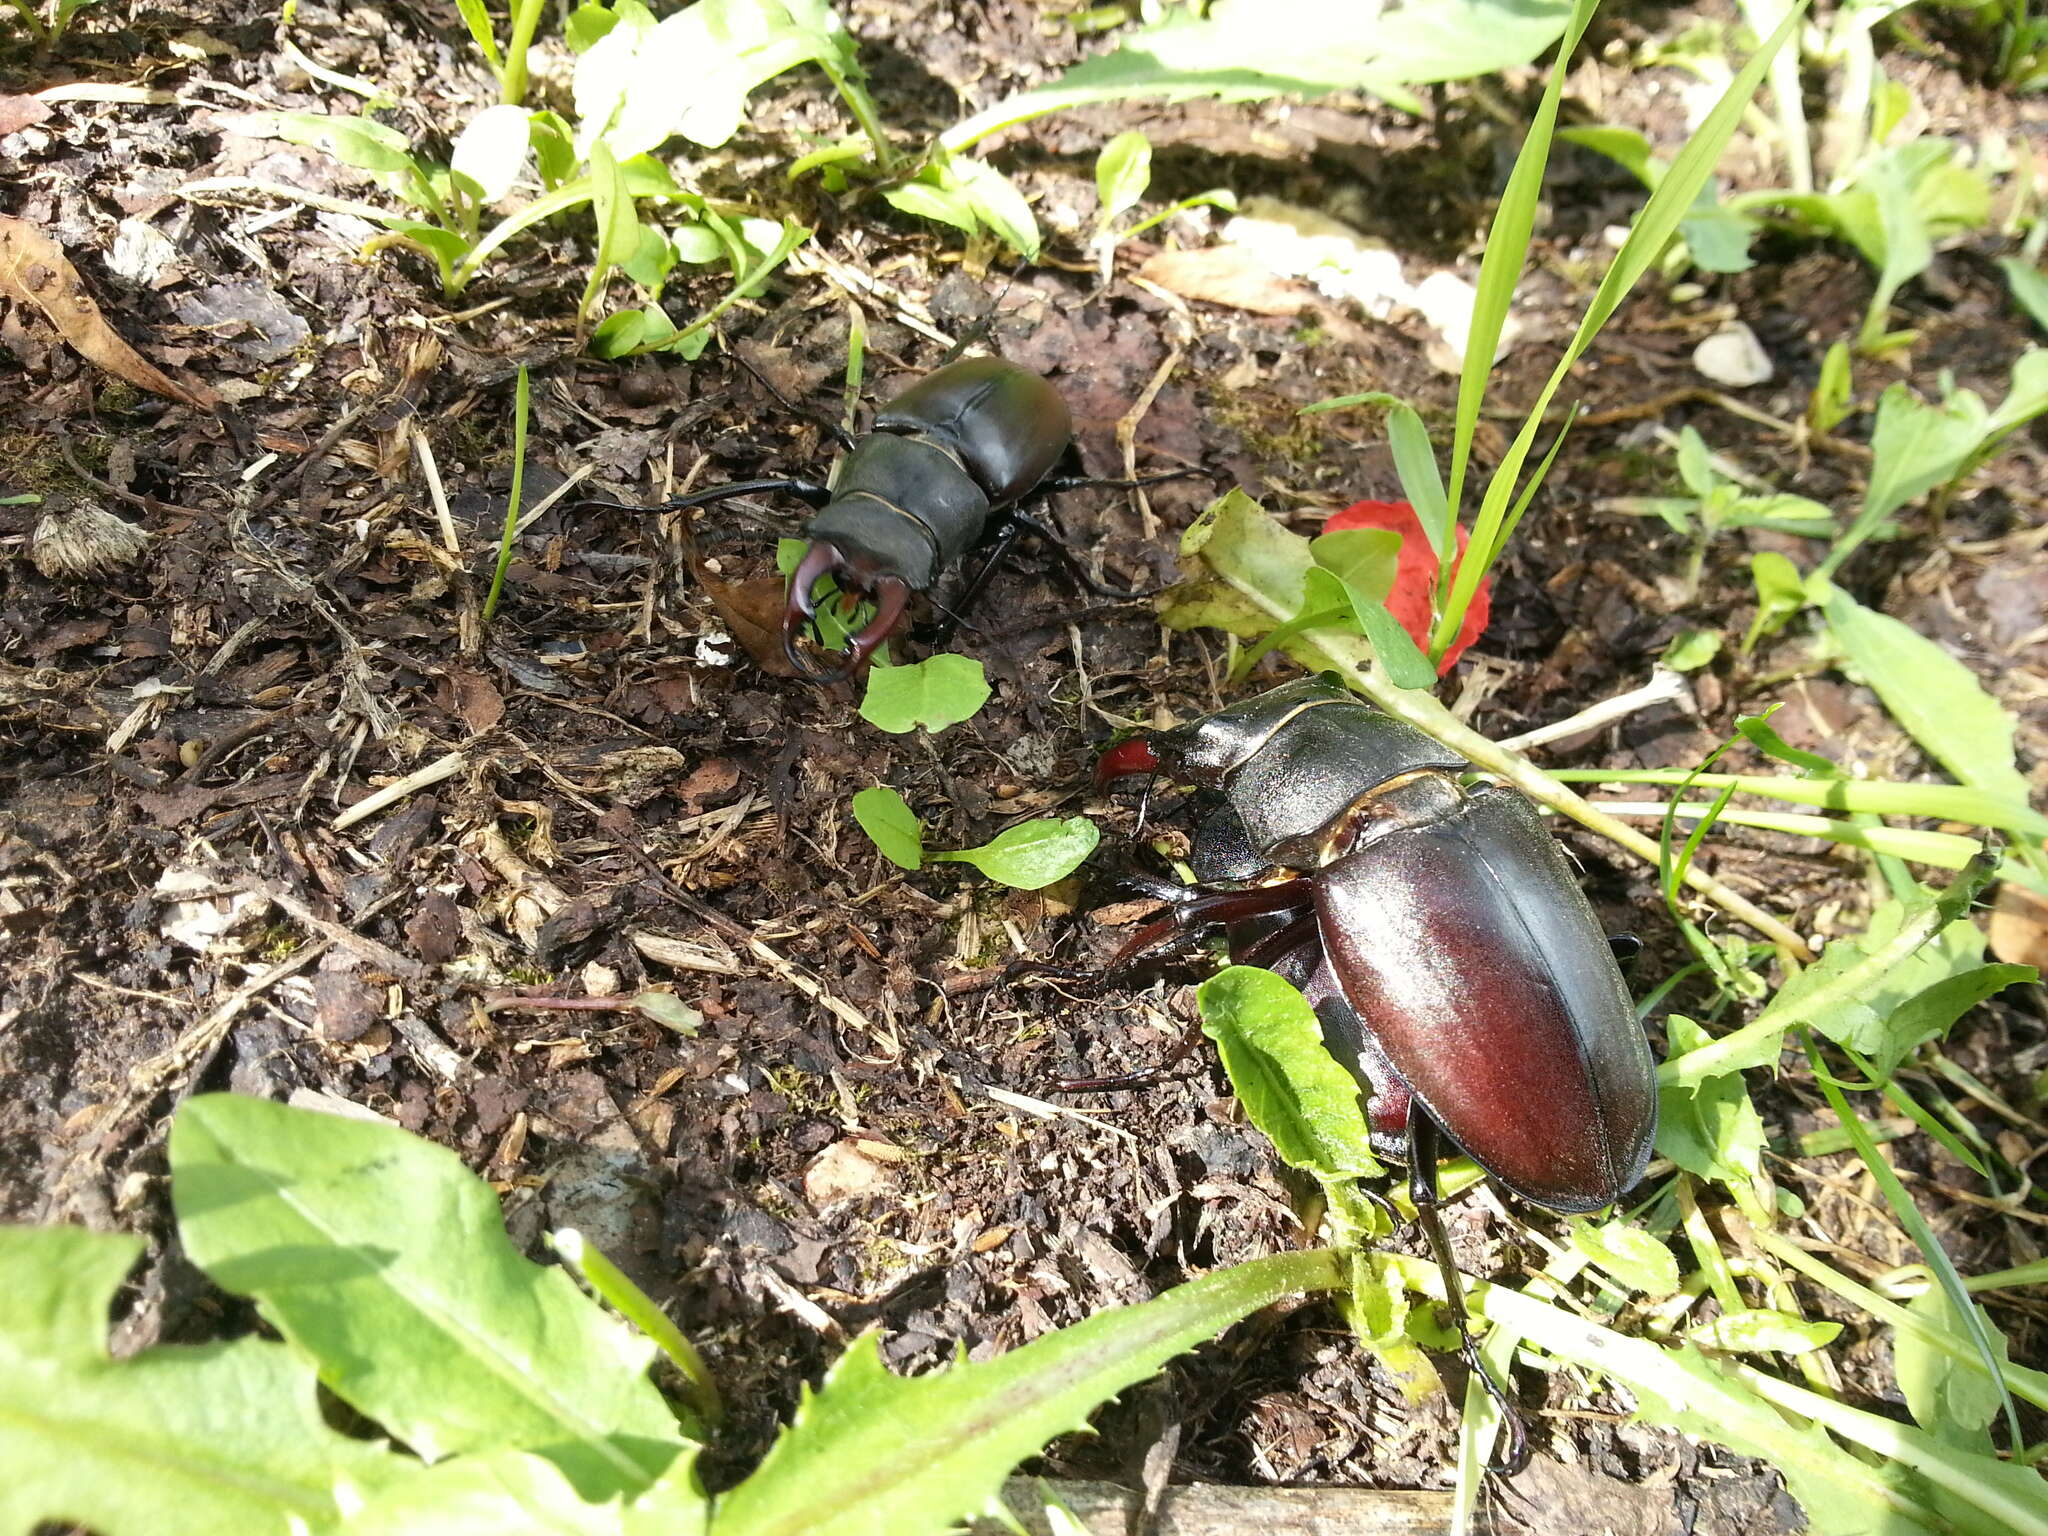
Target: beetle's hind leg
1422 1189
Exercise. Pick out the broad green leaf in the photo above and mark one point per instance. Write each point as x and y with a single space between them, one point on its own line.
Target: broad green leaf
871 1454
618 226
1848 990
997 204
891 825
1914 447
515 1493
1415 463
1710 1128
949 205
1028 856
1717 235
1762 1331
1695 465
1951 1402
1364 560
1250 50
2026 396
386 1260
443 247
1935 697
619 334
1122 173
585 26
1930 1013
358 141
1629 1254
179 1440
491 150
935 693
2029 287
554 148
1281 1068
651 259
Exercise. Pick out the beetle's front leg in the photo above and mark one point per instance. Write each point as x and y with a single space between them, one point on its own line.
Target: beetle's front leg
1422 1190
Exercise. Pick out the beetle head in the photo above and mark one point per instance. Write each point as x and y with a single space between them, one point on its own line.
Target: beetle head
857 574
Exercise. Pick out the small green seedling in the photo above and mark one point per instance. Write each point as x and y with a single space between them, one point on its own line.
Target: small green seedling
1719 504
1026 856
1122 173
936 693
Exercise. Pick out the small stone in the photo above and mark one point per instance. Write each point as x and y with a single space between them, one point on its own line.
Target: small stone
846 1170
1733 357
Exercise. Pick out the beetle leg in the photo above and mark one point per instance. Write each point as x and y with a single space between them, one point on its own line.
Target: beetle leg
806 491
1050 537
1099 483
1422 1189
832 429
1195 910
1005 536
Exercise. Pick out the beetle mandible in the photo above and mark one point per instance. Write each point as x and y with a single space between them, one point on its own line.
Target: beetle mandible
942 472
1437 930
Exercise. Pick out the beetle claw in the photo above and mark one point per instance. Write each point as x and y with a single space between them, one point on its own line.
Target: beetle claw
890 595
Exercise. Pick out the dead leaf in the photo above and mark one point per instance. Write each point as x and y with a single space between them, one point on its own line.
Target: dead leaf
477 699
753 611
2019 927
716 776
19 112
1229 275
35 271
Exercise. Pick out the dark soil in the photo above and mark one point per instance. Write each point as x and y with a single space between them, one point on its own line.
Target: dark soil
867 1129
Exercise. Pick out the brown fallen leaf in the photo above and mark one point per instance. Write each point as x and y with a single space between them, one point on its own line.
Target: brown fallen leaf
19 112
1229 275
2019 927
35 271
476 699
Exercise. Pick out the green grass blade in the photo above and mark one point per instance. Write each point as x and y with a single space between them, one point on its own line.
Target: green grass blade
1661 216
520 413
1500 269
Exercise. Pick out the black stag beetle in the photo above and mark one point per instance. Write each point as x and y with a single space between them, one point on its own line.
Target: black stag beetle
1439 934
943 471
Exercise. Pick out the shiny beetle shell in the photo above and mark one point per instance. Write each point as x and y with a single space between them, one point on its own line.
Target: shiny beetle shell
1450 923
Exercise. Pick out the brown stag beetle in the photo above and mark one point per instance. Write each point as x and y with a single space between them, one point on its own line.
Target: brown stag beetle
943 471
1439 934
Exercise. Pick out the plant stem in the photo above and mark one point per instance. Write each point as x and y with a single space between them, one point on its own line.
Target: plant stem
525 22
520 397
854 92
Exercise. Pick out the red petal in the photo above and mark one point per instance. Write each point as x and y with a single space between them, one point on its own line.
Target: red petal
1415 573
